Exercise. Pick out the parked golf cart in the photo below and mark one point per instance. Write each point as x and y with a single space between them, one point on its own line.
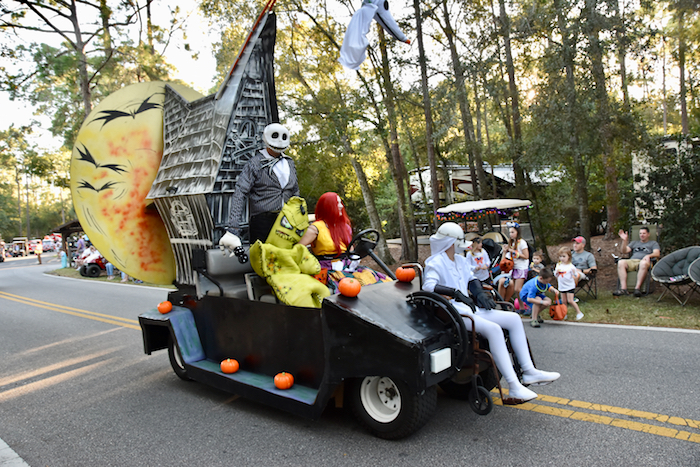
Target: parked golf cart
93 268
383 353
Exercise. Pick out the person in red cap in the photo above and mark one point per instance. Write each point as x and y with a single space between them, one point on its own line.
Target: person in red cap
582 259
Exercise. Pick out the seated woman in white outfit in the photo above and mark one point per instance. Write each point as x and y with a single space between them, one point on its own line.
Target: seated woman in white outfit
448 272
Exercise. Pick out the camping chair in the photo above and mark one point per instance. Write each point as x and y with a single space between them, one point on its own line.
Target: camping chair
672 272
648 285
694 272
589 286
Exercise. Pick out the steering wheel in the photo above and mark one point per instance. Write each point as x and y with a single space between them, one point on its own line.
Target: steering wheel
362 243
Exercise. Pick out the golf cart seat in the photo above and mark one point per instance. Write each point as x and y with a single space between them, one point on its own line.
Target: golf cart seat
219 272
672 272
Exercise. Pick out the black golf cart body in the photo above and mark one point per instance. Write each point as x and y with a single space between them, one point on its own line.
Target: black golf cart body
388 330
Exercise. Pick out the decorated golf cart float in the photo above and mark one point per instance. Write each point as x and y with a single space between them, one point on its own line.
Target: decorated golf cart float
153 174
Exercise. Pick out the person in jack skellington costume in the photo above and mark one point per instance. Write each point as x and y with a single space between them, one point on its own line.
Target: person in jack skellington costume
448 272
267 182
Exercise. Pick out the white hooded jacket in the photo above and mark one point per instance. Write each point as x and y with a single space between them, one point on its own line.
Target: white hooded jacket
440 269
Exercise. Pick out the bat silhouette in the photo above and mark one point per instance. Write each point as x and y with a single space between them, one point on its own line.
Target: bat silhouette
87 157
106 186
109 115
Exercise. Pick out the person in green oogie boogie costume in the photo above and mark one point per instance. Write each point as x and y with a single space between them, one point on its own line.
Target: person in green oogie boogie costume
285 264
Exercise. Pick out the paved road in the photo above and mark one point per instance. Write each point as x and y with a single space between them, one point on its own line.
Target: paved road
77 390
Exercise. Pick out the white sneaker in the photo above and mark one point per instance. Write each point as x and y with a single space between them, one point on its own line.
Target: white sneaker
535 376
579 316
522 393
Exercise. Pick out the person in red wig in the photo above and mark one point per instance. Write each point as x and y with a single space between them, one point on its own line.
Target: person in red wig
328 238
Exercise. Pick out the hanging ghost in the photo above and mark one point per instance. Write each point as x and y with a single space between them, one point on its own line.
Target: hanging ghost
353 50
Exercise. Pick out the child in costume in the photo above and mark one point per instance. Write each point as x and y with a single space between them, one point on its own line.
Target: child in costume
567 278
447 272
516 249
328 238
533 294
479 260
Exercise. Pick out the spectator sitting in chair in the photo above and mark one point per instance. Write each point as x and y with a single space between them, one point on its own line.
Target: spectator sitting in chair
582 259
643 251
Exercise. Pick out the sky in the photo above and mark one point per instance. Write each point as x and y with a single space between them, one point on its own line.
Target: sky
199 74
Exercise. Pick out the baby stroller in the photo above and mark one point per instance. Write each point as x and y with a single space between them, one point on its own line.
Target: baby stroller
495 253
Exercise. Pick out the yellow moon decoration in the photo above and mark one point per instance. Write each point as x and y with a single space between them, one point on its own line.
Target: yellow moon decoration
115 159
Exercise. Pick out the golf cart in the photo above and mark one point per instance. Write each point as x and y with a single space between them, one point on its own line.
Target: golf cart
383 353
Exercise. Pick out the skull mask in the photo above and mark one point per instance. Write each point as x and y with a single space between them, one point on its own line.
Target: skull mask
276 137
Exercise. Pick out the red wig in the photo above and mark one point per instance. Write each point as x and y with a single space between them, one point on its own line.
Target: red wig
337 221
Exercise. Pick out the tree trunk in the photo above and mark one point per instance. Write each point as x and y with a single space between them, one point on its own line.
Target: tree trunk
427 109
621 35
581 180
514 101
375 221
478 156
26 192
476 164
407 235
603 109
105 15
82 60
19 202
685 128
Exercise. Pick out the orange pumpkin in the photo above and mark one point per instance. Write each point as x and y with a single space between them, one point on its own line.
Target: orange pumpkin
405 274
349 287
165 307
284 380
229 366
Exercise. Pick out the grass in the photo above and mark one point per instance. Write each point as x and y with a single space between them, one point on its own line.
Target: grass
74 274
645 311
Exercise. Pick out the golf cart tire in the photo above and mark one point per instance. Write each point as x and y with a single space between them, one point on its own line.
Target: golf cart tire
93 270
83 270
176 361
388 409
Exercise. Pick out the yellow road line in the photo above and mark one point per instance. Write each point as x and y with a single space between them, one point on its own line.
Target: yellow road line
109 319
665 431
538 408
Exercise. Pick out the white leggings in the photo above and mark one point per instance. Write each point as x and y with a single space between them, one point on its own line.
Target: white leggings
490 324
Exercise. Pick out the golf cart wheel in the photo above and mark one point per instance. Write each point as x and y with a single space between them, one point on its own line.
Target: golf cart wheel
83 270
176 361
93 270
388 409
480 400
460 386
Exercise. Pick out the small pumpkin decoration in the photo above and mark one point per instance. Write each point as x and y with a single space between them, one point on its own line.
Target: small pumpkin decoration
229 366
165 307
405 274
349 287
284 380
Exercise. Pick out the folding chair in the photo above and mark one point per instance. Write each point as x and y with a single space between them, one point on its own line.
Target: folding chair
648 285
672 272
589 286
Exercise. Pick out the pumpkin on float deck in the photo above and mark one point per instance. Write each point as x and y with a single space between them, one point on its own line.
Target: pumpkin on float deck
229 366
284 380
405 274
165 307
349 287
